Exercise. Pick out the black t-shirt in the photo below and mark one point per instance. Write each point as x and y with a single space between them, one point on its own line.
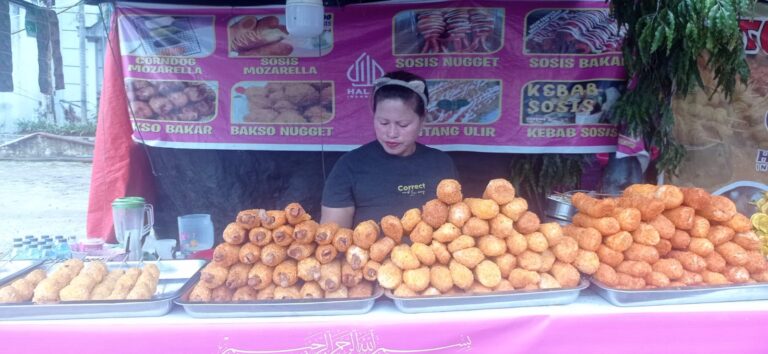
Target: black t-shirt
378 184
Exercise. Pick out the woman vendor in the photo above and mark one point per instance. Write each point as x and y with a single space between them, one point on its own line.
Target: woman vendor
394 173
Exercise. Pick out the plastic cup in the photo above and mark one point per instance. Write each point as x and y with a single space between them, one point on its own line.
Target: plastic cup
195 233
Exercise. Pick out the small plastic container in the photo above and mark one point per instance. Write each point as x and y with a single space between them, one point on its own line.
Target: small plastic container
92 245
48 252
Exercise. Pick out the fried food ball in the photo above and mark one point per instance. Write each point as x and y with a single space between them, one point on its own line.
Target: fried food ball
736 274
605 225
500 191
530 261
268 293
410 219
461 243
238 276
596 208
249 253
690 261
671 195
305 231
446 233
330 276
260 236
670 267
520 278
713 278
434 213
553 232
506 263
349 276
664 246
748 240
449 191
682 217
311 290
430 291
701 246
292 293
478 288
273 254
536 241
285 273
440 278
422 232
371 270
756 262
260 276
501 226
325 233
547 260
527 223
646 235
691 278
476 227
608 256
272 219
629 218
565 251
404 258
356 257
719 234
739 223
492 246
461 275
504 285
606 275
212 276
566 274
424 253
417 279
627 281
235 234
459 213
733 254
308 269
715 262
381 248
639 252
390 276
362 289
326 253
365 234
548 282
619 242
696 198
485 209
587 262
299 251
442 255
664 226
680 240
515 209
295 214
649 207
488 273
200 293
226 254
404 291
224 294
719 209
634 268
283 235
392 228
249 219
469 257
517 244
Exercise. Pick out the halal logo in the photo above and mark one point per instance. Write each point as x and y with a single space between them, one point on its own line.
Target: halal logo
362 74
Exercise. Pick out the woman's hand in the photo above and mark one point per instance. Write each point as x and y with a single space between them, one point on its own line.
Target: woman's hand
342 216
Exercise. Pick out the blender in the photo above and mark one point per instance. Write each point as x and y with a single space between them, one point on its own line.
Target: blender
133 218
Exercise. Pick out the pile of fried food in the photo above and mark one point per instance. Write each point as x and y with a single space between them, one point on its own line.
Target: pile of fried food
289 102
184 101
478 245
73 280
665 236
283 254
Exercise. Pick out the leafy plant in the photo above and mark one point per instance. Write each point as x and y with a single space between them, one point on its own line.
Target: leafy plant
666 45
87 128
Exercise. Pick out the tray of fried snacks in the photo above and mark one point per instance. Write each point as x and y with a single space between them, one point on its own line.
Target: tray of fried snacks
256 295
682 294
413 303
11 269
76 289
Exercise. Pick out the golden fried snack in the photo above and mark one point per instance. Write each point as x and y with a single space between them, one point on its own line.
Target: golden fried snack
223 294
365 234
273 254
442 255
488 274
619 242
150 268
520 278
492 246
237 276
74 266
649 207
657 279
446 233
98 270
670 267
404 258
212 276
748 240
434 213
663 226
680 240
459 213
200 293
35 276
515 209
672 196
410 219
74 293
566 274
553 232
260 236
527 223
46 292
141 291
476 227
126 282
733 253
311 290
249 219
736 274
330 276
308 269
295 214
586 262
715 262
682 217
235 234
720 234
245 293
449 191
381 248
102 290
529 260
478 288
606 275
607 255
504 285
485 209
272 219
590 239
249 253
719 209
325 233
389 276
690 261
629 218
646 235
640 252
341 293
469 257
283 235
640 189
517 244
392 228
417 279
226 254
596 208
461 276
739 223
357 257
305 231
701 246
761 277
634 268
424 253
627 281
664 246
565 251
267 293
536 241
500 191
404 291
501 226
422 233
506 263
713 278
440 278
371 270
326 253
260 276
696 198
299 251
605 225
23 288
431 291
285 273
84 281
548 282
756 262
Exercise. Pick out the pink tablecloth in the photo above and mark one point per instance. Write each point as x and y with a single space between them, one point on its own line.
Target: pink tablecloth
588 326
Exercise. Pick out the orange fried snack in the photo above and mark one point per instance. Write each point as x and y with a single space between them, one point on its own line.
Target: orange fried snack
342 240
514 209
566 274
392 228
212 276
696 198
283 235
273 254
260 236
586 262
308 269
371 270
649 207
389 275
325 233
305 231
299 251
311 290
410 218
272 219
260 276
362 289
470 257
657 279
434 213
245 293
422 232
527 223
605 225
365 234
500 190
200 293
502 226
485 209
476 227
238 276
249 253
357 257
446 233
249 219
459 213
381 248
521 278
287 293
285 273
488 273
461 243
449 191
440 278
719 208
596 208
461 276
403 257
417 279
682 217
492 246
295 214
606 275
629 218
330 276
326 253
226 254
235 234
441 252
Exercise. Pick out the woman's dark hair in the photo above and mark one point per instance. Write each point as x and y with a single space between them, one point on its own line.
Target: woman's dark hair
408 96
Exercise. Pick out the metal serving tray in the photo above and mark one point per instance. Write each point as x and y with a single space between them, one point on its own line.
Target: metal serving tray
11 269
487 301
681 295
174 279
278 308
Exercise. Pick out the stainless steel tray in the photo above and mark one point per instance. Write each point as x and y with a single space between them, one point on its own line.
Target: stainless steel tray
174 279
488 301
278 308
11 269
681 295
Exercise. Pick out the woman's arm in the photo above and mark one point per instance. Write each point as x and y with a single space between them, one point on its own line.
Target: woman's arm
342 216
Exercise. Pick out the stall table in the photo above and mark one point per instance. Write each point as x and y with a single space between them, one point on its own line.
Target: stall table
590 325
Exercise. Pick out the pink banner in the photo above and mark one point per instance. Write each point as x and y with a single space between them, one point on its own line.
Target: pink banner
503 76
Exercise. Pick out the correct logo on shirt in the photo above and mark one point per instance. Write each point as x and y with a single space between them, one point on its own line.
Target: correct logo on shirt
413 190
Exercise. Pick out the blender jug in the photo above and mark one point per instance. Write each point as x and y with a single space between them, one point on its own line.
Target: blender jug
133 218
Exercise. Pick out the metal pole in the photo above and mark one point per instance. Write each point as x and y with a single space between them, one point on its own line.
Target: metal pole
81 32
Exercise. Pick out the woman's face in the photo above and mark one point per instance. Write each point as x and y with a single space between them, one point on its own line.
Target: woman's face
397 127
